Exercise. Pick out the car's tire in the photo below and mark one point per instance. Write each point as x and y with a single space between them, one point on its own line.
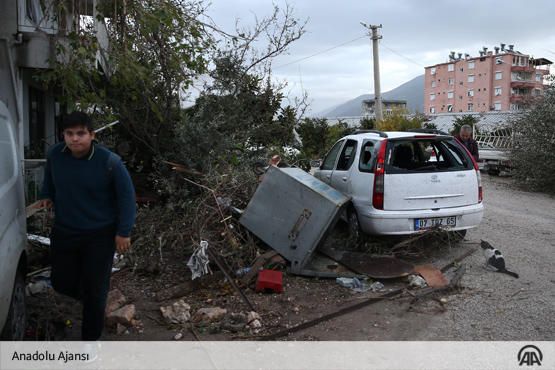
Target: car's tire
355 231
14 327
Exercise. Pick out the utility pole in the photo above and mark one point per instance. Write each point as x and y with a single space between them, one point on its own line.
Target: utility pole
377 89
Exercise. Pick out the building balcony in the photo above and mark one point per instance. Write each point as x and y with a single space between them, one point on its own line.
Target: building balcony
522 69
524 84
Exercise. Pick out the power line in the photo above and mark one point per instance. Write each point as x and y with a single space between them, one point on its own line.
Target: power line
401 55
320 52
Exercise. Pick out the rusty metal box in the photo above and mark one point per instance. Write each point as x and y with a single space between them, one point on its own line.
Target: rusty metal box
292 212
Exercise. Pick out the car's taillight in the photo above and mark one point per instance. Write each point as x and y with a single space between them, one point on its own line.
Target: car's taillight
478 175
377 196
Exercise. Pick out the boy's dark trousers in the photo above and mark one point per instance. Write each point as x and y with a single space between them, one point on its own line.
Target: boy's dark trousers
81 268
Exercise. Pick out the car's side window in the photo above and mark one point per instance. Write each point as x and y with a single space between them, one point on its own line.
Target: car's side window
347 156
329 161
365 163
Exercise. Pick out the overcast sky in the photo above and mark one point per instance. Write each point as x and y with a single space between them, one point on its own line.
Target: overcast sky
415 34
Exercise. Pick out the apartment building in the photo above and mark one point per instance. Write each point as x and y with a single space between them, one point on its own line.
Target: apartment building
499 80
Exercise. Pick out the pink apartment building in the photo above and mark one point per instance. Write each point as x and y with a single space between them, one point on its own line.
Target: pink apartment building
501 80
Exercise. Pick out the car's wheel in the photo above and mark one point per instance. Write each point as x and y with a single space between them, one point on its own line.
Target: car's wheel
354 225
14 328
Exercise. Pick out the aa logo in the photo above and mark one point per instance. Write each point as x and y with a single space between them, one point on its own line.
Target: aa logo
530 355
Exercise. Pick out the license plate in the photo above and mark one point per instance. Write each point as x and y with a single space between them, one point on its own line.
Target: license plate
430 223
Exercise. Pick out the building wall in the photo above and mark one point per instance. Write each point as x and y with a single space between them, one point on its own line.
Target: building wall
452 84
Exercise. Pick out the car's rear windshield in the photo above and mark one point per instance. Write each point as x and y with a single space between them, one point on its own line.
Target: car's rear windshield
420 155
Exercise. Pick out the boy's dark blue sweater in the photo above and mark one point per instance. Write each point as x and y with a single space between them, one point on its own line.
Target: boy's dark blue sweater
89 193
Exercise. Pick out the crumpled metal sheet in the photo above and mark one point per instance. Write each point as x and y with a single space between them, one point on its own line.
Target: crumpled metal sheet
378 267
198 263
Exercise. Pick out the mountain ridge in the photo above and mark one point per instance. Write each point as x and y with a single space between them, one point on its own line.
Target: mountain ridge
412 91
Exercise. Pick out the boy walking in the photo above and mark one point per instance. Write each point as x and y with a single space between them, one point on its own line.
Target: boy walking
94 203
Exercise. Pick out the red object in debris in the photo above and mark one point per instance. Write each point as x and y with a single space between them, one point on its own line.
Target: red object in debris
270 280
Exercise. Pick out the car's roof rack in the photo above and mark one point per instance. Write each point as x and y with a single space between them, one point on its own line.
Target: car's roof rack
381 133
428 131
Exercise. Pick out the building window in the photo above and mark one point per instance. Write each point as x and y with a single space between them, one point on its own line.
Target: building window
471 64
497 106
497 91
449 94
451 80
450 67
433 84
538 77
432 109
432 96
470 107
470 92
470 78
433 70
498 75
449 107
538 92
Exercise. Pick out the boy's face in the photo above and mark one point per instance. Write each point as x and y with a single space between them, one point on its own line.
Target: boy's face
78 139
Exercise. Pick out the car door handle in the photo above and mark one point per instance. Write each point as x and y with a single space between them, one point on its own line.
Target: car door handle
328 176
344 178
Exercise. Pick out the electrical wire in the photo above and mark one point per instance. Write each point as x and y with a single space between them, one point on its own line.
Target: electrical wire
401 55
320 52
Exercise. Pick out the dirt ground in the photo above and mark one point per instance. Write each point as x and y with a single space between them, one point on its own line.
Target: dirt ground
487 306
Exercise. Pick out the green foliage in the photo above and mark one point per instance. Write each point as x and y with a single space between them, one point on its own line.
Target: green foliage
533 154
367 123
399 120
466 119
317 136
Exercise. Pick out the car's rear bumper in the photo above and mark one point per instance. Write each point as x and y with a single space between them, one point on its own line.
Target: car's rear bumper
376 222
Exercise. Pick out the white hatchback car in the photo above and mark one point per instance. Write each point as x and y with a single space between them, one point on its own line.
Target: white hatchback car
403 183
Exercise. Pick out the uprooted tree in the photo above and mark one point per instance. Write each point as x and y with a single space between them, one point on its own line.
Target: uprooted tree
533 154
156 50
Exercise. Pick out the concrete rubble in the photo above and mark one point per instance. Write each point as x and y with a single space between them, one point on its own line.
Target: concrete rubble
178 313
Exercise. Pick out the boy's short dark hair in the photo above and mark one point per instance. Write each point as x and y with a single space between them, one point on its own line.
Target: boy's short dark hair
75 119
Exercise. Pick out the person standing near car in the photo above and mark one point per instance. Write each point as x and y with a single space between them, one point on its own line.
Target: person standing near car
94 203
465 137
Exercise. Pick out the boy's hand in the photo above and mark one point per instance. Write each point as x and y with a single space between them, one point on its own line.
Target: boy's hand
44 203
122 244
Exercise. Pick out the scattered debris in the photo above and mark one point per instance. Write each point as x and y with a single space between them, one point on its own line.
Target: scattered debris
270 281
114 301
176 291
37 238
417 281
376 286
224 268
379 267
123 316
432 275
40 286
178 336
209 314
178 313
353 283
198 263
258 263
